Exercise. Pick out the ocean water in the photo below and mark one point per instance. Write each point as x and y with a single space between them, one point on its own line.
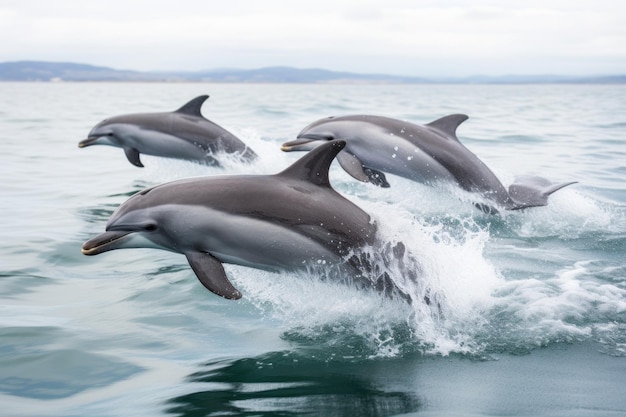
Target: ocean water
530 318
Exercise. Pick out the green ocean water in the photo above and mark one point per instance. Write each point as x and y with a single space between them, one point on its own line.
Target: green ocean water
531 311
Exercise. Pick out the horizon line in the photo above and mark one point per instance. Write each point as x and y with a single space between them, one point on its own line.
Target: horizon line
291 67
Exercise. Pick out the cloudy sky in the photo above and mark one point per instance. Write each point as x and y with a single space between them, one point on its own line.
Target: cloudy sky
404 37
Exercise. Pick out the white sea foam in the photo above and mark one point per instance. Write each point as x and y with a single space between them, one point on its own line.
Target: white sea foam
461 302
448 299
569 214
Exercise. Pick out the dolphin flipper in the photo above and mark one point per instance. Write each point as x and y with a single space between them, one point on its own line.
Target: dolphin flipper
376 177
532 191
353 166
132 155
211 274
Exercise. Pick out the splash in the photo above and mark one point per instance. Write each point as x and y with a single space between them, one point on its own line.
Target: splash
569 214
571 306
455 299
456 280
444 280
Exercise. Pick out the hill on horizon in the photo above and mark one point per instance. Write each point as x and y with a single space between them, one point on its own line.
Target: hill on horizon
68 71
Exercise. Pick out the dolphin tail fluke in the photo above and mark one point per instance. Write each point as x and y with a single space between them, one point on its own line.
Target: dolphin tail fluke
531 191
211 274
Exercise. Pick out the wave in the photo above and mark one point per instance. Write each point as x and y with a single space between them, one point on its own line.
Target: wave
478 284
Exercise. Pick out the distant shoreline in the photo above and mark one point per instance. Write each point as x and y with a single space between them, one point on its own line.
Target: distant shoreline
564 83
43 71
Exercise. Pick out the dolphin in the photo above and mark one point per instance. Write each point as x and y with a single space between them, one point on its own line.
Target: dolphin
286 221
182 134
423 153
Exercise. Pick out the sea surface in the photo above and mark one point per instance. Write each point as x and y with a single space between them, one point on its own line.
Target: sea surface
530 311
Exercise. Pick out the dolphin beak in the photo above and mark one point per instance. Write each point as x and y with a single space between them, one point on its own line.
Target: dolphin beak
303 143
105 242
89 141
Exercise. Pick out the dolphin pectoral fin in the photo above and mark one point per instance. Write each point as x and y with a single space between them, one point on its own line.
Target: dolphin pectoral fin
132 155
486 208
353 166
531 191
211 274
376 177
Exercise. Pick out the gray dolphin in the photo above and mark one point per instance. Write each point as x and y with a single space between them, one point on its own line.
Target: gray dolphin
422 153
182 134
285 221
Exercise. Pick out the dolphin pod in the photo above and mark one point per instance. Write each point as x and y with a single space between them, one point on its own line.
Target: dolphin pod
285 221
423 153
183 134
293 219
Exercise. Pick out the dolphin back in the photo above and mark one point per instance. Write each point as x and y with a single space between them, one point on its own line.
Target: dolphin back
532 191
220 138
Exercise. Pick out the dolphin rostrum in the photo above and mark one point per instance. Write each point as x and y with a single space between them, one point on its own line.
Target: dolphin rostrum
423 153
285 221
182 134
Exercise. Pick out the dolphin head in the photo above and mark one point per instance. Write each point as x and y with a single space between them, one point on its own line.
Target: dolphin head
102 134
315 134
140 222
124 132
351 129
106 132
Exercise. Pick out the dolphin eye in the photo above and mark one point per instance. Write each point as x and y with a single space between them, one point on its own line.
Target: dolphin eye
150 227
330 137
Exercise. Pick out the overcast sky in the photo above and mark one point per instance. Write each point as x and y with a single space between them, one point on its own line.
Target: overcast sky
404 37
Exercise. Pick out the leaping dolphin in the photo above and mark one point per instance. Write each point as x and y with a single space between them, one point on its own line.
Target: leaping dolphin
182 134
285 221
423 153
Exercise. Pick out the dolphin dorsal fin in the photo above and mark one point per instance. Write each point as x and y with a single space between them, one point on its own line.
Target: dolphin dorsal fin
448 124
193 107
313 167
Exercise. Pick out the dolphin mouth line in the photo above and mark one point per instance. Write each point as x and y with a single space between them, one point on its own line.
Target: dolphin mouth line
89 141
103 243
300 141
